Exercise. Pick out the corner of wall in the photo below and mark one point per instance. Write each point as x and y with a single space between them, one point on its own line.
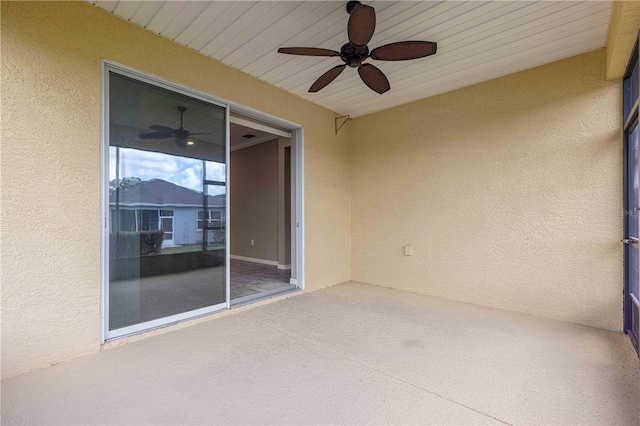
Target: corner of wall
624 27
505 189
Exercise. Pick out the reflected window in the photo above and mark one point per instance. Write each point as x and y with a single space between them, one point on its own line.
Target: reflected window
209 219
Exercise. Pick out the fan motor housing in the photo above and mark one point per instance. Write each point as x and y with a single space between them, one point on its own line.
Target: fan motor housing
353 55
351 5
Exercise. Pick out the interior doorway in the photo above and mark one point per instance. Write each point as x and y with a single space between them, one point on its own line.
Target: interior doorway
260 195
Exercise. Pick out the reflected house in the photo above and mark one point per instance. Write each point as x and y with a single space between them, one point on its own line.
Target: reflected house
156 204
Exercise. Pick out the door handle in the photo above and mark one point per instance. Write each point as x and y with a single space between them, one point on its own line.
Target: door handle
631 240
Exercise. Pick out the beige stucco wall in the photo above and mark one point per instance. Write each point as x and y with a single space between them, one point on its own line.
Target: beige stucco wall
510 192
50 169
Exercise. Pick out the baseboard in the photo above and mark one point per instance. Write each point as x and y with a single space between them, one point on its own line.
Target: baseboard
254 260
281 266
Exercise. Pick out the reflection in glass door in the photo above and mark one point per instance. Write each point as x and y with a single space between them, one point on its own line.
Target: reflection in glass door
167 206
632 237
631 86
166 224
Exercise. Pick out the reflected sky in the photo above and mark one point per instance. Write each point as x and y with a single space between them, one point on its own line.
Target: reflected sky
183 171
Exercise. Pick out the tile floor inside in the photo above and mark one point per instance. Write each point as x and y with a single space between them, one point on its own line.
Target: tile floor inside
249 278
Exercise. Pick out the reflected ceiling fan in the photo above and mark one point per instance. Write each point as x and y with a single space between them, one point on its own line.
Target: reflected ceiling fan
362 24
163 132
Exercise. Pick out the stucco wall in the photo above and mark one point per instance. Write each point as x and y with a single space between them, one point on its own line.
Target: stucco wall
50 169
510 192
254 201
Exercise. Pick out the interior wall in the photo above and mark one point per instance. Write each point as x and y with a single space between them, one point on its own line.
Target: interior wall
509 191
254 203
50 168
284 203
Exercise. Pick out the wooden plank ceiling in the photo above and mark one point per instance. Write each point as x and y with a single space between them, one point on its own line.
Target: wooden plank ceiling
477 41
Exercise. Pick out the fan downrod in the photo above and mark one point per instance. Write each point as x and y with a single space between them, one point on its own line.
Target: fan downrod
181 133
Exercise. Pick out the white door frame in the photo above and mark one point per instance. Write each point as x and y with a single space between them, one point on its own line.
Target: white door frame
266 123
161 222
297 205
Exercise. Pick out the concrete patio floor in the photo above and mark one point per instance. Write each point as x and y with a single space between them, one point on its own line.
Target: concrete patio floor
350 354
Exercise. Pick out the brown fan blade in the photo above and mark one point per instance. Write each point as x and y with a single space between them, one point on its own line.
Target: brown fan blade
327 78
362 24
308 51
155 135
160 128
374 78
404 50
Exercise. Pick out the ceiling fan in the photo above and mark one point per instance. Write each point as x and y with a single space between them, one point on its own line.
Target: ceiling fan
163 132
360 29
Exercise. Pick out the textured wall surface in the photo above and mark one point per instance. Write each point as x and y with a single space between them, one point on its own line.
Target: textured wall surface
50 168
510 192
254 201
623 33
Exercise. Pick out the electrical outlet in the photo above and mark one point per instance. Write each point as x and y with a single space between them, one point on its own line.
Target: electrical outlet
408 250
253 242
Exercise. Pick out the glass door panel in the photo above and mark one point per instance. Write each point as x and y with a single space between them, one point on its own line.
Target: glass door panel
166 254
632 238
631 85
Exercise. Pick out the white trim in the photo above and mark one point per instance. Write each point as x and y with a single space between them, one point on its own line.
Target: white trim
284 267
297 143
162 83
258 297
104 198
255 260
235 119
227 213
163 322
165 243
166 206
252 142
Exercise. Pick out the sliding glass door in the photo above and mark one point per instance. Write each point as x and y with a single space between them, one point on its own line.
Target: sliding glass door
631 85
167 245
